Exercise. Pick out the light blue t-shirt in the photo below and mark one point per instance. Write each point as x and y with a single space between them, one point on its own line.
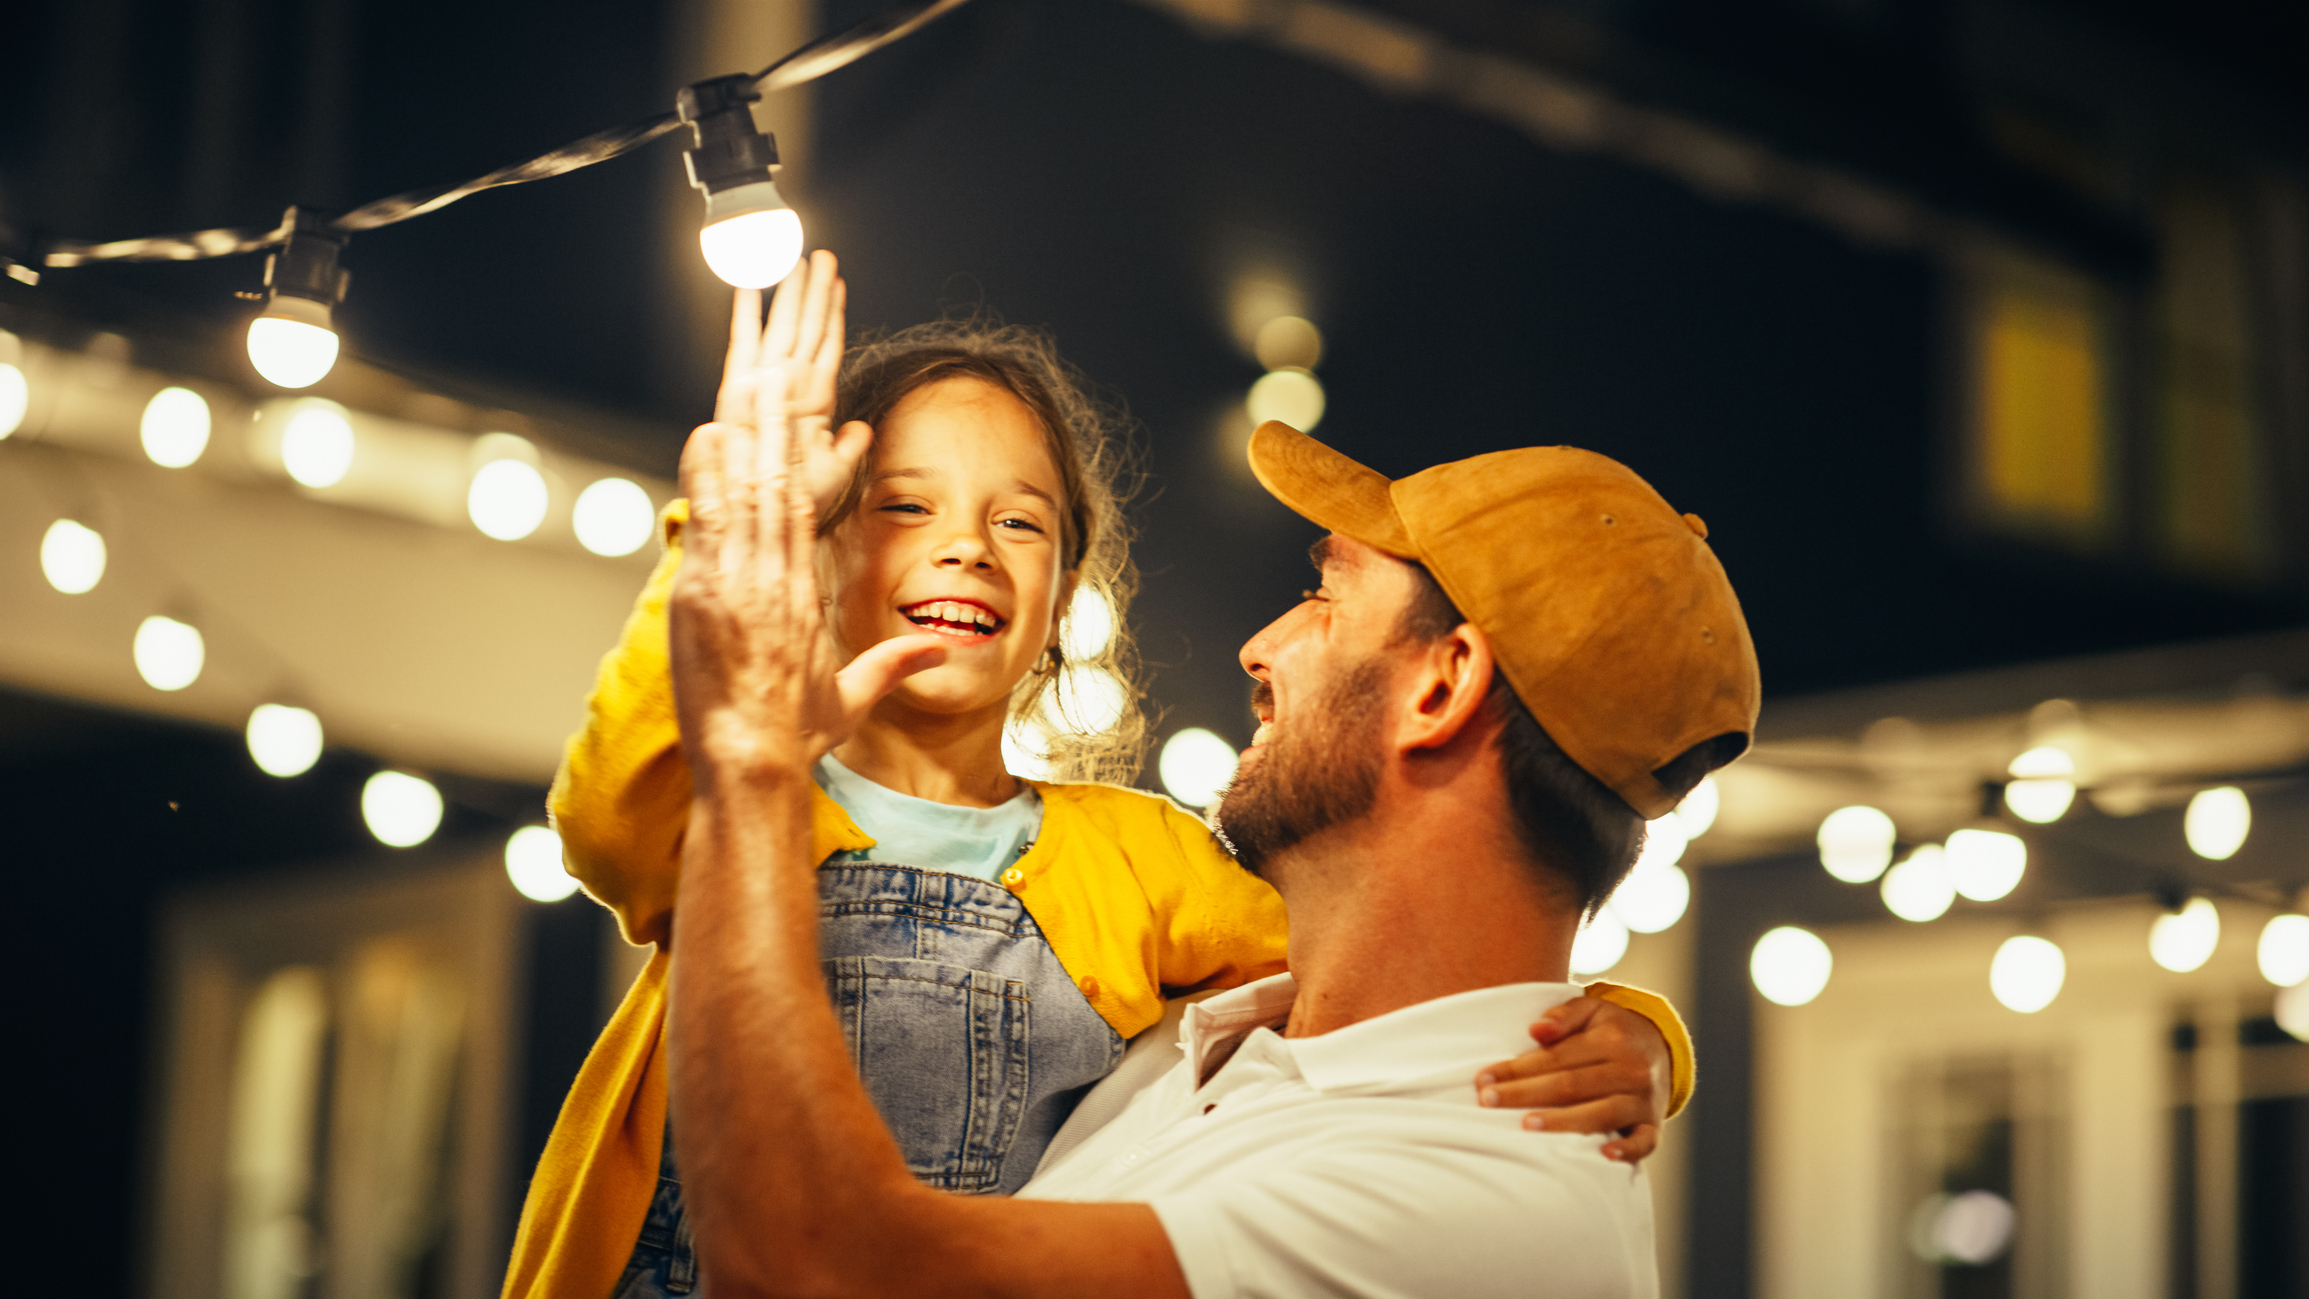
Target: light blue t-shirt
910 831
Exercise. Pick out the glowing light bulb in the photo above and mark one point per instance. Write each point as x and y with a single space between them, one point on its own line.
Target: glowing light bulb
1985 865
1196 765
1698 810
1653 897
2217 822
284 740
753 250
317 446
1790 966
2042 789
168 653
613 517
2027 973
2183 940
15 399
292 353
402 810
533 863
72 557
507 499
2284 950
1089 626
1920 889
1600 944
175 427
1856 843
1293 396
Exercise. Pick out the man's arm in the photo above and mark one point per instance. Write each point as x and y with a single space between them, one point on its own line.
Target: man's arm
794 1185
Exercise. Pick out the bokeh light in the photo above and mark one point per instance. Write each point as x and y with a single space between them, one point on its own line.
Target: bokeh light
1026 749
1919 889
1971 1228
533 863
2184 940
613 517
2293 1010
72 557
1856 843
169 653
1088 628
1653 897
1196 765
175 427
401 810
2027 973
2284 950
1287 343
317 446
1698 810
1090 700
15 399
1985 865
1602 941
2041 790
1790 966
1292 396
283 739
507 499
2217 822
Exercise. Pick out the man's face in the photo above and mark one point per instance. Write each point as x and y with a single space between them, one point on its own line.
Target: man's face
1324 670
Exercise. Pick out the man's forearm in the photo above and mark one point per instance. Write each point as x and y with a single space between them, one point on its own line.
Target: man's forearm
782 1154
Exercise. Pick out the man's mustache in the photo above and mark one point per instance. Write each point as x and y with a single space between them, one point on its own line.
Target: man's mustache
1263 698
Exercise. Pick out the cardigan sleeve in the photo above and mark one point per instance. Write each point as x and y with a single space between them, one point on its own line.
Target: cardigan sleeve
621 798
1654 1007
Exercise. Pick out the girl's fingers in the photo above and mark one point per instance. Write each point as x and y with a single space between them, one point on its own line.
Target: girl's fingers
878 671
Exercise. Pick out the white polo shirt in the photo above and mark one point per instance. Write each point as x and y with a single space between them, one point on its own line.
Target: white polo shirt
1357 1162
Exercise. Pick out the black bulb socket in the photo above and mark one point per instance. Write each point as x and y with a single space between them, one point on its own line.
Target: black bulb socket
729 151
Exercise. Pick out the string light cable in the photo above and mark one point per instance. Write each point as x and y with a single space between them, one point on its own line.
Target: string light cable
748 228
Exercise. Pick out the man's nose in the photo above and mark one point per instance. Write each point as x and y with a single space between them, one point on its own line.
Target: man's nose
1258 651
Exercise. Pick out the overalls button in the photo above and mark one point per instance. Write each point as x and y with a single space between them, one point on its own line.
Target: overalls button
1013 875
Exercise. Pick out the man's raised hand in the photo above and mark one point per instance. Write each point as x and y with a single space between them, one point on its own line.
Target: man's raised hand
804 337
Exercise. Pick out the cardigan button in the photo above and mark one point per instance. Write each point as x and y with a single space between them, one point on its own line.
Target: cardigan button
1013 875
1089 985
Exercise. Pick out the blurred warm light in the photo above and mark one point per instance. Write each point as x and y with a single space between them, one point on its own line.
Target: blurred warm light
613 517
15 399
1196 765
1088 627
507 499
2027 973
1856 843
1653 896
1919 888
402 810
2293 1010
1664 841
1292 396
1698 810
175 427
754 250
72 557
533 863
1790 966
1288 342
2285 950
285 740
2183 940
2218 821
317 446
1985 865
1602 941
168 653
1090 700
1972 1228
291 353
1026 749
2041 789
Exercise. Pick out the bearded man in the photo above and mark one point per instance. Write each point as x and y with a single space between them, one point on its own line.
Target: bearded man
1511 662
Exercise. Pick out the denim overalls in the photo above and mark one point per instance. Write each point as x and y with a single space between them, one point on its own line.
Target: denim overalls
972 1039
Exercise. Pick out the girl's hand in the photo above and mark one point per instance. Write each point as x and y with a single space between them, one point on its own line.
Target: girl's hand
1599 1067
755 680
802 337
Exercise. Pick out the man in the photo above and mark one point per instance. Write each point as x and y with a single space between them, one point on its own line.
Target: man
1511 662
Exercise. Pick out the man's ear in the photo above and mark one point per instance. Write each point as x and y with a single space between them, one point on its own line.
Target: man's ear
1452 678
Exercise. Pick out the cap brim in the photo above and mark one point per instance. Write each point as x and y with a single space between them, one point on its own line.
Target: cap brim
1328 489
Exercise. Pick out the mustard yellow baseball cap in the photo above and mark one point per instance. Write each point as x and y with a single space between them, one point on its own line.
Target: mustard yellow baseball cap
1606 610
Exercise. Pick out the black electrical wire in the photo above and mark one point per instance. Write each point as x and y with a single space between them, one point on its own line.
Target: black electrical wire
811 61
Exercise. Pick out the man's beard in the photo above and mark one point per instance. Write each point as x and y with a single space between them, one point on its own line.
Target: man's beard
1320 771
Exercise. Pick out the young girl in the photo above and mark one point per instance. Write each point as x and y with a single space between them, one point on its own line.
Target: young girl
991 942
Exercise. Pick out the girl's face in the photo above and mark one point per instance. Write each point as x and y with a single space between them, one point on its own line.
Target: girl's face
958 534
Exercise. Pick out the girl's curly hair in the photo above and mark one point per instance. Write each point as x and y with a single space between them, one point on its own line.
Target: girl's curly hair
1053 713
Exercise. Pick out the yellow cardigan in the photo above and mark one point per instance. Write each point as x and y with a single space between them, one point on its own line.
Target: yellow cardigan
1136 900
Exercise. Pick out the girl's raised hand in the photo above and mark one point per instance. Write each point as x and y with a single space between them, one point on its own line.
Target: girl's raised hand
802 340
